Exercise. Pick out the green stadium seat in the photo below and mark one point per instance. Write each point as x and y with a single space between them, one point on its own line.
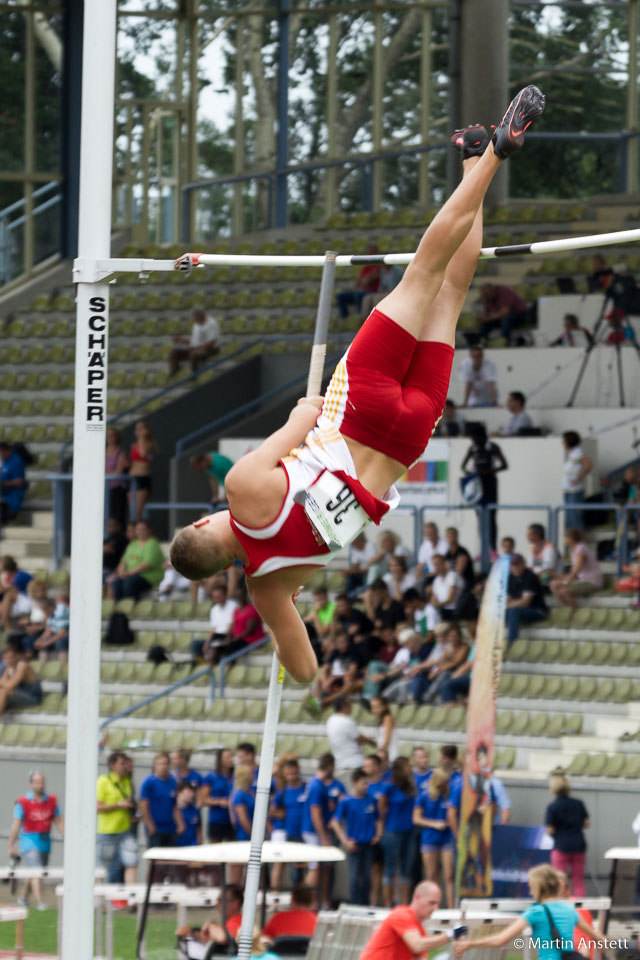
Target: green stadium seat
538 725
506 683
237 675
632 767
158 709
127 672
596 765
617 653
177 708
217 710
163 673
573 725
195 708
520 725
599 618
28 736
51 702
10 734
122 702
506 758
615 766
585 651
582 617
616 619
439 717
305 746
555 726
125 606
518 650
255 711
292 713
202 610
235 709
143 610
587 688
633 654
606 689
520 685
146 639
552 688
422 715
53 670
45 736
536 651
115 737
504 721
106 705
109 672
601 652
60 738
536 686
578 765
623 691
570 688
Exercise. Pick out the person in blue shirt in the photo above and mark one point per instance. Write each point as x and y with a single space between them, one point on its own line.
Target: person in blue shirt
158 807
436 842
286 814
420 766
242 802
546 890
13 484
372 766
181 771
214 793
359 828
396 809
192 834
321 796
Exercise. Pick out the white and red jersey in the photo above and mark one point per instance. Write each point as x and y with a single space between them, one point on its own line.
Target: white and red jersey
290 539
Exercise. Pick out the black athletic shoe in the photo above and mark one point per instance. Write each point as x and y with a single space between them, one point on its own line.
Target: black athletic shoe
521 112
471 141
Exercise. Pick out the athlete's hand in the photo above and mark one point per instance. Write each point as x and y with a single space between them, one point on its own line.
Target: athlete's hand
314 401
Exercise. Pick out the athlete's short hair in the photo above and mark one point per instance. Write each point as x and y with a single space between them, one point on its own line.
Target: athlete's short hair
197 557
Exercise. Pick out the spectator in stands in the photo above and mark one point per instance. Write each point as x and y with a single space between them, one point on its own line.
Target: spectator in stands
113 547
413 650
359 828
399 578
381 607
353 621
576 467
458 683
388 662
452 423
566 818
216 466
13 484
387 734
160 814
367 281
242 801
574 335
432 543
458 557
56 632
221 626
247 626
543 557
390 277
141 567
32 626
455 653
321 797
545 886
214 932
34 814
116 462
201 344
520 419
141 454
181 771
436 842
479 376
501 307
402 934
422 673
14 600
361 554
173 582
585 575
19 683
600 273
117 845
445 588
185 802
320 616
344 737
488 460
298 921
389 545
214 793
525 597
396 810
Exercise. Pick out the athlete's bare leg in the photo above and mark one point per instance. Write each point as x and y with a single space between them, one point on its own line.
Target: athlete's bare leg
442 316
408 304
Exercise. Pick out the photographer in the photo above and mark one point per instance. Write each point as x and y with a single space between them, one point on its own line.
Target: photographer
117 846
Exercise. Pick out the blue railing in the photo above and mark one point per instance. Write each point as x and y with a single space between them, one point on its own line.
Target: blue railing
8 226
232 657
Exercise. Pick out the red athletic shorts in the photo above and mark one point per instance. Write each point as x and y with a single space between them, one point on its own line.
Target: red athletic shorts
389 389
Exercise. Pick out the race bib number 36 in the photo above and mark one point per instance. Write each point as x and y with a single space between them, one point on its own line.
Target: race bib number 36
333 511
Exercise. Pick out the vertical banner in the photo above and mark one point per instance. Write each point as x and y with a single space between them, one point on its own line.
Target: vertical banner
473 869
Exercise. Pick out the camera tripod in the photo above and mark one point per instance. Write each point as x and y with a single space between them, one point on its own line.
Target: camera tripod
597 337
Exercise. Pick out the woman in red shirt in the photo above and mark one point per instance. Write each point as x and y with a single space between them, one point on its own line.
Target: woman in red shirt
247 625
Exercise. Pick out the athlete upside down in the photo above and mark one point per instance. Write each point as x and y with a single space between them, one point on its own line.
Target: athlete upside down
381 406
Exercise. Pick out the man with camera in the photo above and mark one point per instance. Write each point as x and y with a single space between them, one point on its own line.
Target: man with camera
117 845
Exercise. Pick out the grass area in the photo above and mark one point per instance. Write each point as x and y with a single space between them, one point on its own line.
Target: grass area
40 934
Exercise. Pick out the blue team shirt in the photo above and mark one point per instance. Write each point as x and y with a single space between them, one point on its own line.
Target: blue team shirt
240 798
219 787
359 814
433 810
400 809
12 469
192 777
335 790
191 817
375 790
161 795
323 795
33 841
291 800
421 779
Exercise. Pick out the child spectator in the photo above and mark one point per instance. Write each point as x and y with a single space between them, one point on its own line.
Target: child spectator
56 632
437 847
576 468
358 826
242 802
396 811
191 835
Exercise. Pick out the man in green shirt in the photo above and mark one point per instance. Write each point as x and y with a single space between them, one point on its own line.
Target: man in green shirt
117 846
141 566
217 466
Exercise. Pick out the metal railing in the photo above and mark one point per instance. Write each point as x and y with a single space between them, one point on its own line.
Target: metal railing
8 227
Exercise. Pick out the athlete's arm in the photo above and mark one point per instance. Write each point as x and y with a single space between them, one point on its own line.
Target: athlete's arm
274 603
301 420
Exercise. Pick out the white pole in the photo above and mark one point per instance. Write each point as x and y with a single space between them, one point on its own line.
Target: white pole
90 411
267 753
